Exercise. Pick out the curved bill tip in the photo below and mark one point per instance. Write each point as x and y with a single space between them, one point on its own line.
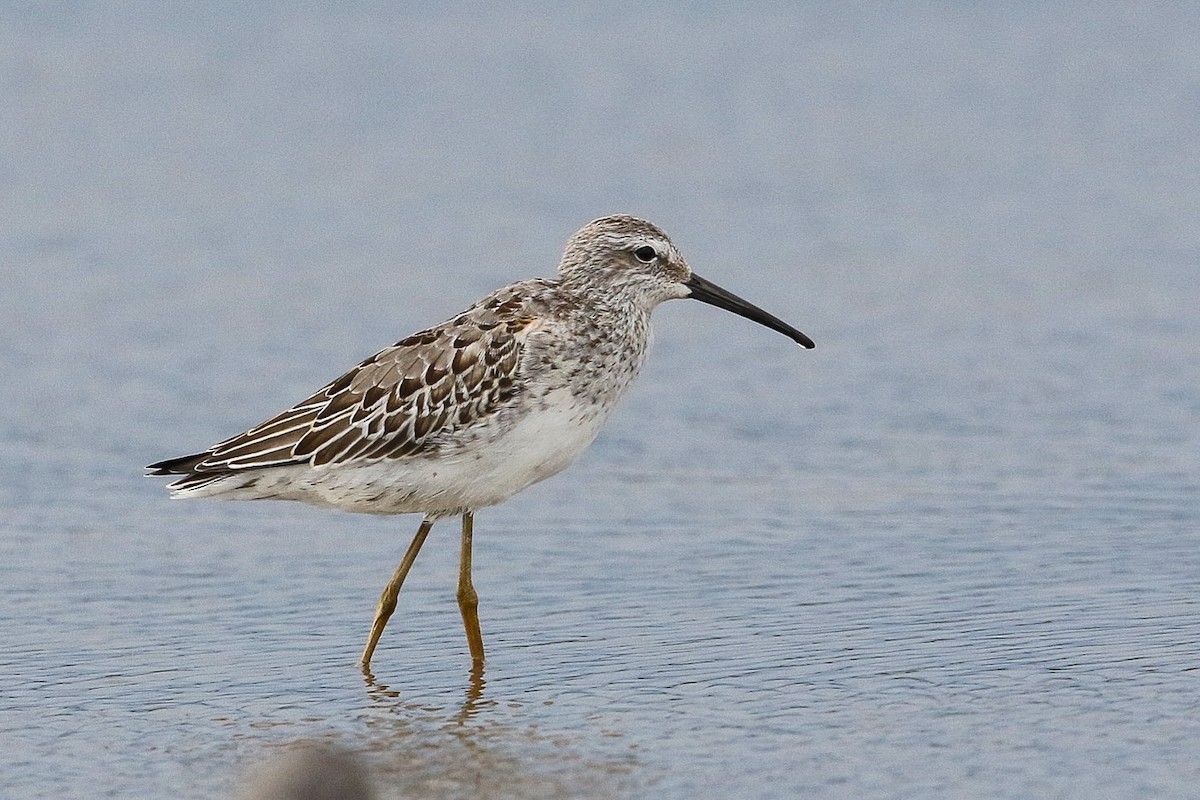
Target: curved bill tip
708 292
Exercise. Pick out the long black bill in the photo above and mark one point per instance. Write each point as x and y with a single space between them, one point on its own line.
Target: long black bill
709 292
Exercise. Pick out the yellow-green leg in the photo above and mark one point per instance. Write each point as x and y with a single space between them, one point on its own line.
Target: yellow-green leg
468 600
387 600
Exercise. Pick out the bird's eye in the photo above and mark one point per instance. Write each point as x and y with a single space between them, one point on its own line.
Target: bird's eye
645 254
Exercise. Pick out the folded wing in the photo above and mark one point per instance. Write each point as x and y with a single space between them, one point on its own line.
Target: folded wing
396 404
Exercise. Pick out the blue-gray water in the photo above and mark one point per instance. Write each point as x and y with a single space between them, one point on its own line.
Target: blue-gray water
952 552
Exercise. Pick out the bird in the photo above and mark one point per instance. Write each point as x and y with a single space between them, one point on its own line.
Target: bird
465 414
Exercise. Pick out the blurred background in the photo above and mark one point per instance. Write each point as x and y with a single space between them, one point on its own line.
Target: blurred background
950 552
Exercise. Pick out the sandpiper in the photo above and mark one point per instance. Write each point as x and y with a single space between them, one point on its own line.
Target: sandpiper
468 413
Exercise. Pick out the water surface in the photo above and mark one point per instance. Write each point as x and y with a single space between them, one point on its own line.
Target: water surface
952 552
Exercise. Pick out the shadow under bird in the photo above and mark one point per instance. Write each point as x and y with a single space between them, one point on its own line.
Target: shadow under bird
468 413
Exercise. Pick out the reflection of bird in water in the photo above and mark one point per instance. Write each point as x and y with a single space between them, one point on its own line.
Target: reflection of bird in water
465 414
308 771
473 702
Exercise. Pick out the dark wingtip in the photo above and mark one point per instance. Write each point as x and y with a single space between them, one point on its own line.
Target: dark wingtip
175 466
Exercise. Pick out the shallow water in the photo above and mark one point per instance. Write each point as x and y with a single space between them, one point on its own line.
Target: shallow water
950 552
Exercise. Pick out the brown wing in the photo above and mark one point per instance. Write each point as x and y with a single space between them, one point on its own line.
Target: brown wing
395 403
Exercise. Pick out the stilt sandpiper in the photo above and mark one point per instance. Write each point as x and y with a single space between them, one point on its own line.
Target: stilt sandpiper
467 413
